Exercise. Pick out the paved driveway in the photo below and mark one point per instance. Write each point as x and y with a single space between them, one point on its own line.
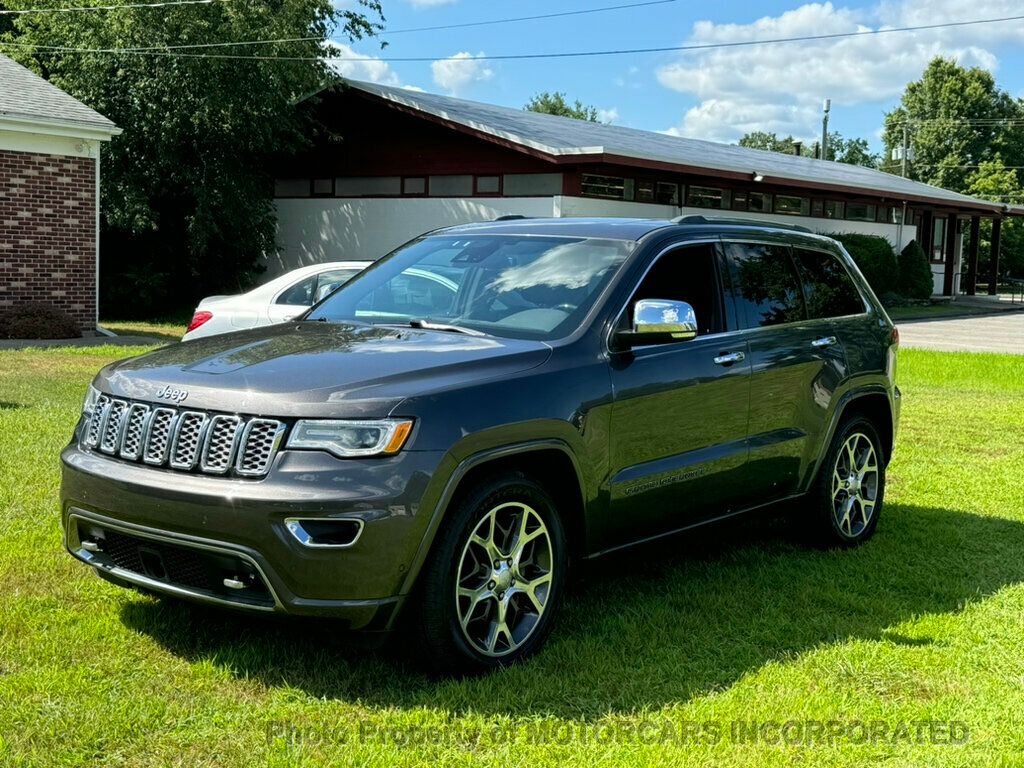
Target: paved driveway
989 333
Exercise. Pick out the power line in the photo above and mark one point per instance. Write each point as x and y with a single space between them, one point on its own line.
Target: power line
71 9
525 18
168 50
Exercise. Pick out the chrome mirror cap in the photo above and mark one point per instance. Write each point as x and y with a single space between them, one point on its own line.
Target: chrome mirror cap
664 316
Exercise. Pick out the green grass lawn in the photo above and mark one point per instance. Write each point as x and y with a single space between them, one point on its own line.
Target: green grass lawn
659 653
935 311
168 330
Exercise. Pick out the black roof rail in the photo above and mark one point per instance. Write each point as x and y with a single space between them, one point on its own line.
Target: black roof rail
699 219
512 217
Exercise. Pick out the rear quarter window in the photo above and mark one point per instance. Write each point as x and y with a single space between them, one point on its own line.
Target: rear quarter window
765 282
828 287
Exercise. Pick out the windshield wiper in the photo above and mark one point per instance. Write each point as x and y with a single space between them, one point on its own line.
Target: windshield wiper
431 326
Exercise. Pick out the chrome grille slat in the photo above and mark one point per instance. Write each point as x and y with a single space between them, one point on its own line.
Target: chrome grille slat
135 423
161 436
110 435
221 441
158 435
259 445
189 432
95 428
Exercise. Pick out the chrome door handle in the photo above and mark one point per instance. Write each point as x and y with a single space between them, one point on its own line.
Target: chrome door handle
824 341
730 358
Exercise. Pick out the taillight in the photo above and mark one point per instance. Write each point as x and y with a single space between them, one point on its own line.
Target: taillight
894 340
198 319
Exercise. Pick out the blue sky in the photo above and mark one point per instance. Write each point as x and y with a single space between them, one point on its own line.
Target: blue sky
715 94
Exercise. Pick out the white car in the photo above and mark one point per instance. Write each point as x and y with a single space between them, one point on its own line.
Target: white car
275 301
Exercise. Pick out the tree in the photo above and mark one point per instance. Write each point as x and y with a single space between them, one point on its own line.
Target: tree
915 276
187 197
851 151
994 181
956 121
555 104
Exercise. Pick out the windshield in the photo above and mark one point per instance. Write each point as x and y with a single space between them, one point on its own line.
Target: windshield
516 286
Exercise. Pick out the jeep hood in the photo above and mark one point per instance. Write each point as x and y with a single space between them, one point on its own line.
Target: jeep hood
316 369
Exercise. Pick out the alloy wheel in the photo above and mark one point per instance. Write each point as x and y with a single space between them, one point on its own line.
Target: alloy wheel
855 485
504 579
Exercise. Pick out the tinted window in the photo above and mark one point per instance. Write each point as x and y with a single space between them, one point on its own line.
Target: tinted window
766 284
689 274
328 282
300 294
829 289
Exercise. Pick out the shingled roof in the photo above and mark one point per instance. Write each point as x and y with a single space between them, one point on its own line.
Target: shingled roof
564 140
27 98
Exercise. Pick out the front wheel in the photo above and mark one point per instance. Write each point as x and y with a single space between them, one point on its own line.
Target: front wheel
490 591
847 498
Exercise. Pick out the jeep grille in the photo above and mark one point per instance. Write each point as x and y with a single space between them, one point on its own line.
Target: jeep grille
215 443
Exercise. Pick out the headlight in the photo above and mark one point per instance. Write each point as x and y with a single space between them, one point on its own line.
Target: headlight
346 438
91 396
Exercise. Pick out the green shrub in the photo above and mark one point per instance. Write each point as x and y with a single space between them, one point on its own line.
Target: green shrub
875 258
915 275
35 320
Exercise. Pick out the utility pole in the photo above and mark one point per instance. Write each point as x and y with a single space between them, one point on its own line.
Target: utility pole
906 148
827 106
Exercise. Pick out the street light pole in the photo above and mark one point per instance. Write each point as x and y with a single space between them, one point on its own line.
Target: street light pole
824 129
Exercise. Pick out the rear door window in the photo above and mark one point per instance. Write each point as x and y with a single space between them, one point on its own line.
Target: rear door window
828 287
767 289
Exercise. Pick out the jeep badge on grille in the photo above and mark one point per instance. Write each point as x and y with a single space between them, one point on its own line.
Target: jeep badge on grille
170 393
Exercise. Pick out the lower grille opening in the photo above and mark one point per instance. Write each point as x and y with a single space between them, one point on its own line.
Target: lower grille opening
204 572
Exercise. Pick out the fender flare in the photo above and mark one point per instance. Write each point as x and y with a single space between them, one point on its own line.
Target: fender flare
463 468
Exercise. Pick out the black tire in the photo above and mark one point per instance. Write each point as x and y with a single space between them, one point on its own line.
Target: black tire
828 525
441 644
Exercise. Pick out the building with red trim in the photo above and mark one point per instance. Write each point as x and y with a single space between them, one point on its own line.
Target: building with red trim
392 163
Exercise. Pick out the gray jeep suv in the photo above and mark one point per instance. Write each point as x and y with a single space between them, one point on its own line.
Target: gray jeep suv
441 451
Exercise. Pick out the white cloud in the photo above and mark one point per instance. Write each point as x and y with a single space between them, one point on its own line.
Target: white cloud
780 87
366 68
457 73
608 115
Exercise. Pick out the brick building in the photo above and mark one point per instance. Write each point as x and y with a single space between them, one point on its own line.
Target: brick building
49 195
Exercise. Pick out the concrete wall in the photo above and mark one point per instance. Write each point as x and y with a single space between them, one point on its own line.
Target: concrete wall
314 230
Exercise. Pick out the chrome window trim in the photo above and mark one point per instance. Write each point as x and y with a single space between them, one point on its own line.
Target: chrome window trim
303 537
75 548
235 442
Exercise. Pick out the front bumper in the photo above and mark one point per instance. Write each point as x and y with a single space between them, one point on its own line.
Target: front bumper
189 534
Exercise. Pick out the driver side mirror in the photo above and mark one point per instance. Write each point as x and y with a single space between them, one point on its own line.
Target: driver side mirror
659 321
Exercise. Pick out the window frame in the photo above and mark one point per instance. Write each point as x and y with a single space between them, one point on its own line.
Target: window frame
725 292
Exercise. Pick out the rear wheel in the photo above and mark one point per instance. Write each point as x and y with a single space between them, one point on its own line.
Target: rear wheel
490 591
848 494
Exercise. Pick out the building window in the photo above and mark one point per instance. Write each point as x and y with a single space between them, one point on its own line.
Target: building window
860 211
323 187
451 186
707 197
739 200
938 238
667 193
488 185
611 187
834 209
367 186
531 184
896 215
791 205
414 185
645 191
817 208
291 188
760 202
